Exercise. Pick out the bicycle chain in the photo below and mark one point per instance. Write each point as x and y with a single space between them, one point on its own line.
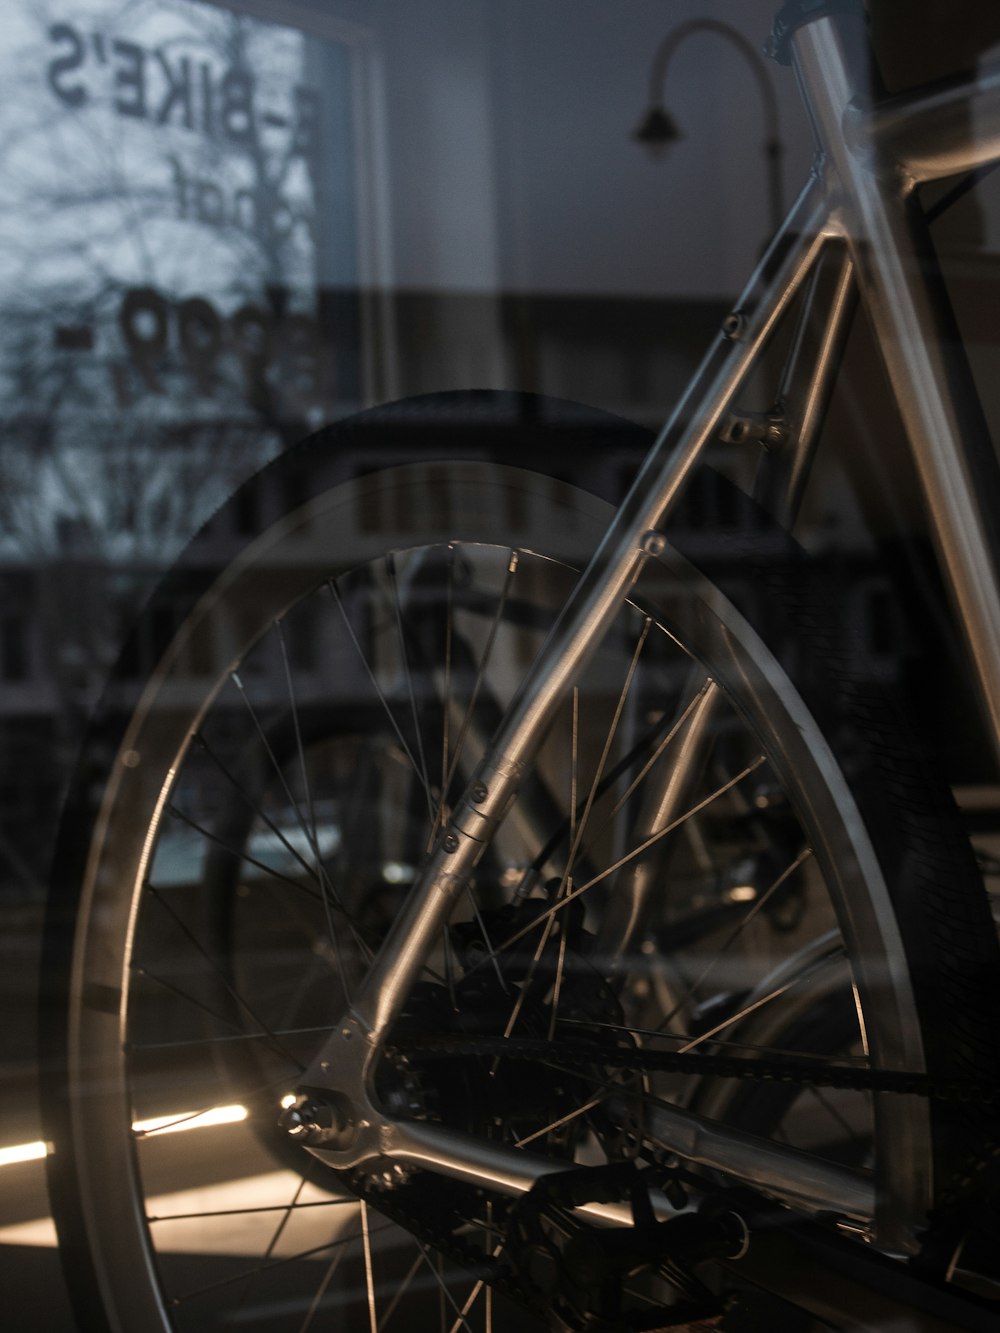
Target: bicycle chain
803 1073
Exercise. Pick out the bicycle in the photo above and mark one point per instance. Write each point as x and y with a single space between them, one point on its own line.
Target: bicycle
632 973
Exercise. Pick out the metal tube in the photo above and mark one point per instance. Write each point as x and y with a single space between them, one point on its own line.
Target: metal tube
796 1177
925 362
785 1173
510 1171
807 383
591 609
670 792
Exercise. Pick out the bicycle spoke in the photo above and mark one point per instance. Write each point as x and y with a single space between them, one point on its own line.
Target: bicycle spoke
564 891
390 563
486 937
461 1318
662 745
445 1293
300 749
241 854
275 1238
485 656
229 1281
674 824
759 904
369 1272
269 871
611 777
446 696
481 1288
169 1124
862 1030
558 1124
574 758
543 917
326 888
141 970
321 1290
172 1123
522 996
820 1095
311 810
748 1009
335 593
220 974
253 1211
574 761
258 811
557 985
631 1030
401 1291
581 827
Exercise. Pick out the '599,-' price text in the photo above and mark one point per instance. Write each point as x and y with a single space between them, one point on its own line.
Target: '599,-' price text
280 357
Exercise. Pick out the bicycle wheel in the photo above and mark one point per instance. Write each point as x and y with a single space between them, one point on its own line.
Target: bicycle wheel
708 859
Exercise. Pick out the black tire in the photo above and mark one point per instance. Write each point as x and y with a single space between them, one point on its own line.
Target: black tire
887 865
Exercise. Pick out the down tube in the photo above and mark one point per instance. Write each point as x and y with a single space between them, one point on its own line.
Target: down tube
595 602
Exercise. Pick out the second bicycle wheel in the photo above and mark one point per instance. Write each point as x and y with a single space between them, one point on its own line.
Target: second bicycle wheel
706 859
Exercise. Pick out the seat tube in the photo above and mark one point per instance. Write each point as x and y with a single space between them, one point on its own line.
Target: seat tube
924 358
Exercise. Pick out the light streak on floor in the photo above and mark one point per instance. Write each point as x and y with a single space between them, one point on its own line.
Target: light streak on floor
160 1124
236 1235
231 1231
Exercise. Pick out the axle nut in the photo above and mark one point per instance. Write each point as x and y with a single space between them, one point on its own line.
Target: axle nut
305 1119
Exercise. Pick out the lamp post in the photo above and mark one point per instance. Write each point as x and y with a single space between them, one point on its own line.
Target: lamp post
658 129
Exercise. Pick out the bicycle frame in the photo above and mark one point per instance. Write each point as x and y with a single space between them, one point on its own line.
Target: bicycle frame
856 228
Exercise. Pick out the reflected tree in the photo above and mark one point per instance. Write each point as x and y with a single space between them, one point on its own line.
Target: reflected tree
160 338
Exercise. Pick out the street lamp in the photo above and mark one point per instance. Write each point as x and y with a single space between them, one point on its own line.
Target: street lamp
658 129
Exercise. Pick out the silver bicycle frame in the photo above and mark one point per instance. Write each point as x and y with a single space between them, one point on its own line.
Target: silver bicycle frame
859 215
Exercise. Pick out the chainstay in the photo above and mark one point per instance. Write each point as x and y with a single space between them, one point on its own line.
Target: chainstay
573 1056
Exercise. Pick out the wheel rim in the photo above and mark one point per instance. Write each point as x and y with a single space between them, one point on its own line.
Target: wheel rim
125 931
